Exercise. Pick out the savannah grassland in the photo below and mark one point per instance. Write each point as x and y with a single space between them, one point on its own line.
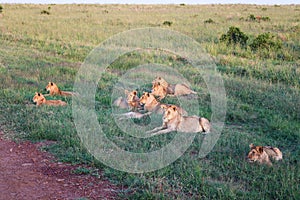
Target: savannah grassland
42 43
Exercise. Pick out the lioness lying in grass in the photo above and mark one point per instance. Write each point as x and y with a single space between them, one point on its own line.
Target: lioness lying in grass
161 88
39 99
262 154
53 89
173 120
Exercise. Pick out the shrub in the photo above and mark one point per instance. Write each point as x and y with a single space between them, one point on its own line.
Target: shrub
167 23
257 18
45 12
209 21
234 36
1 9
252 17
265 18
266 41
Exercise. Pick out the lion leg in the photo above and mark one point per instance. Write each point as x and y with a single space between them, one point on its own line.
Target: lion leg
168 130
156 129
132 115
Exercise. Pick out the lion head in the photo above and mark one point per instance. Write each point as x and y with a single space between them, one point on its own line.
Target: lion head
38 98
52 88
256 153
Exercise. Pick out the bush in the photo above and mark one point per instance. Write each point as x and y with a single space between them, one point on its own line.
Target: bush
45 12
265 18
252 17
209 21
1 9
234 36
167 23
266 41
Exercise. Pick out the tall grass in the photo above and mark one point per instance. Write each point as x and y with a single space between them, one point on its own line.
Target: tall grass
263 94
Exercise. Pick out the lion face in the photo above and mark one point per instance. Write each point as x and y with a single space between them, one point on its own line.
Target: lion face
158 90
38 98
52 88
170 113
255 153
161 81
132 96
146 98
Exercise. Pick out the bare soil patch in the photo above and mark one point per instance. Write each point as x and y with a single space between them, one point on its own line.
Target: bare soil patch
28 173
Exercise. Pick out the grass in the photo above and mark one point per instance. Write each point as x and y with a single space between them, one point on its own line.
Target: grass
262 93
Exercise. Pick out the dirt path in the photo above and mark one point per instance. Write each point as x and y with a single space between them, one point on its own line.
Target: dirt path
28 173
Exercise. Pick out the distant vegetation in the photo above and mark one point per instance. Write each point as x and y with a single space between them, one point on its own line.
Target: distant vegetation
234 36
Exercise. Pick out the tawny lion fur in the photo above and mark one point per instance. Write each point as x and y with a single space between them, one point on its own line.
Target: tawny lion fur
53 89
133 100
173 120
264 154
152 105
161 88
39 99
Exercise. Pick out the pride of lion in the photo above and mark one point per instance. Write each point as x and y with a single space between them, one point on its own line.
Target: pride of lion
53 89
175 118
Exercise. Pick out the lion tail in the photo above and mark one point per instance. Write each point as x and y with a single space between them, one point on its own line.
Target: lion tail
65 93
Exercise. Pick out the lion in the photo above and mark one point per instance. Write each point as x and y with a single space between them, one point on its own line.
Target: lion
161 88
173 120
53 89
121 102
39 99
133 100
262 154
152 105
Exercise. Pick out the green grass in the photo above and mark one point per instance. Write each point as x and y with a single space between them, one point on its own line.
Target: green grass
263 93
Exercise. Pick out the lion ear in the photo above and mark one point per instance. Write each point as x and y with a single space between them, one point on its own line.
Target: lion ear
260 149
251 145
159 78
174 108
135 92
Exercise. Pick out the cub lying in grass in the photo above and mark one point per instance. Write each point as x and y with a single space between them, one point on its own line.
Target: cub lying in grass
39 99
53 89
173 120
262 154
161 88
